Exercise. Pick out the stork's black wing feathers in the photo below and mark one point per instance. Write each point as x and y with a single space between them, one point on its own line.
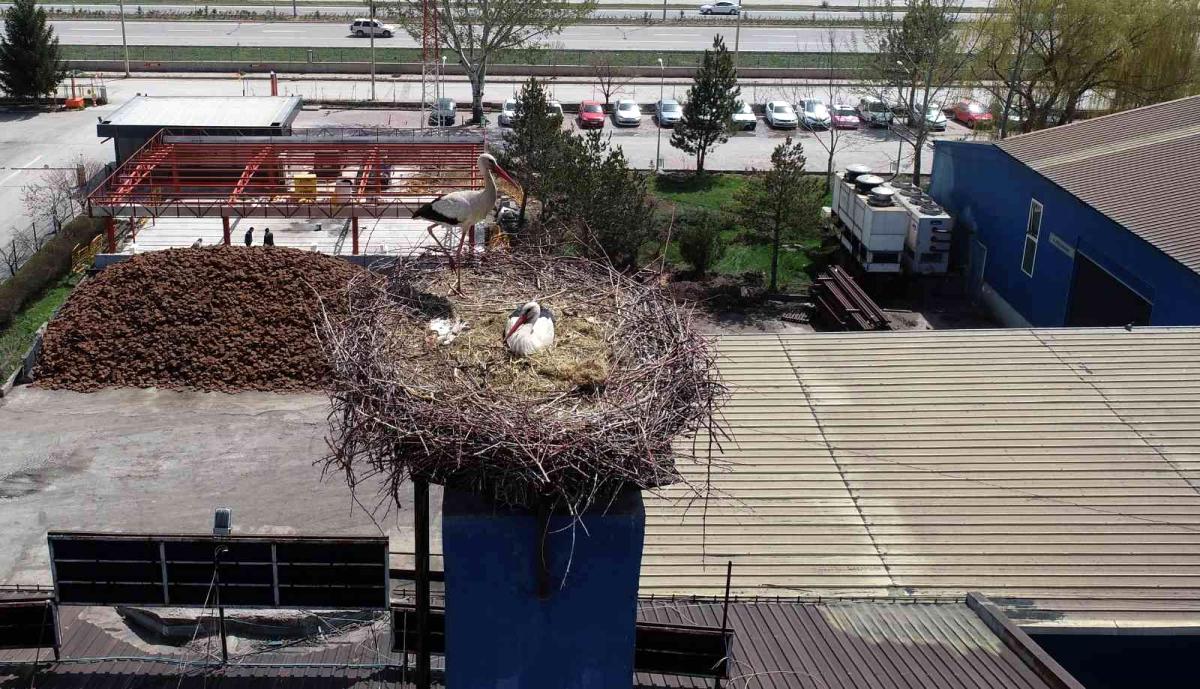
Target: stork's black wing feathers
547 313
428 213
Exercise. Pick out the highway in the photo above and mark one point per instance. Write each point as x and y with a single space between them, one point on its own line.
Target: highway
583 37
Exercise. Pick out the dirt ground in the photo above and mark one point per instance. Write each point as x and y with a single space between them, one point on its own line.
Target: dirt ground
156 461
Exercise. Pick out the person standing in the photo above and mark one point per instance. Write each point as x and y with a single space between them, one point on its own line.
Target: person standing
268 238
250 236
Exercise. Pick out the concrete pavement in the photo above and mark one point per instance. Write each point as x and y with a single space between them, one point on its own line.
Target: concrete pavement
337 35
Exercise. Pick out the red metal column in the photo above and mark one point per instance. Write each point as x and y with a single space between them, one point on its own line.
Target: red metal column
225 229
354 233
110 234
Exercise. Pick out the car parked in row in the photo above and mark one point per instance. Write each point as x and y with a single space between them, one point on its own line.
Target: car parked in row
844 116
744 118
627 114
366 27
591 115
874 113
721 7
668 112
934 118
814 114
780 114
971 113
444 113
556 109
508 113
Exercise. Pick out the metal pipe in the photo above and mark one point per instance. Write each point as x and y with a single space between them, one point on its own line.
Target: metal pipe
421 538
725 614
220 608
372 50
662 80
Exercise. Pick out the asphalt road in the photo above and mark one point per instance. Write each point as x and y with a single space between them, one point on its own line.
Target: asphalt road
587 37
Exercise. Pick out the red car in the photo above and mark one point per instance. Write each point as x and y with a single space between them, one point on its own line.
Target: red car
844 116
591 115
971 113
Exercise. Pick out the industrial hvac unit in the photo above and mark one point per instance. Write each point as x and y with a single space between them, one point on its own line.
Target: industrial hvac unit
873 226
927 244
888 228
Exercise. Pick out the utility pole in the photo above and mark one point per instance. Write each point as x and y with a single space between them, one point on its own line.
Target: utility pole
372 50
294 13
124 43
662 80
737 35
664 10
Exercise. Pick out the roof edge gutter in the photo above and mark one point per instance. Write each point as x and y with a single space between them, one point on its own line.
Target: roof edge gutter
1033 655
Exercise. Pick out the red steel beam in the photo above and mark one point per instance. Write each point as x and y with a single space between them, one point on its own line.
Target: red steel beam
248 173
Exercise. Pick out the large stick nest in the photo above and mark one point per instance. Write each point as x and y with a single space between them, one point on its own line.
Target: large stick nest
569 426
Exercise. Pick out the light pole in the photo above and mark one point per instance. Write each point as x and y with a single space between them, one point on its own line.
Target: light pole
372 50
124 43
737 34
662 80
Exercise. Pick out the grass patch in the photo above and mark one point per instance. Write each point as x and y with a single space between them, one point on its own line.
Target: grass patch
15 341
712 192
743 258
532 56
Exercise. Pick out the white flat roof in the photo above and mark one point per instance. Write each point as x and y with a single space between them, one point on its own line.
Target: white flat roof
206 111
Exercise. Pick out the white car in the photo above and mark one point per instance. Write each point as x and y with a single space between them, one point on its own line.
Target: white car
668 113
780 114
722 7
814 114
743 117
508 113
935 119
366 27
556 109
627 114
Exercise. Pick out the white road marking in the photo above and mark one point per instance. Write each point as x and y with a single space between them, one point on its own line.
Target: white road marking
29 164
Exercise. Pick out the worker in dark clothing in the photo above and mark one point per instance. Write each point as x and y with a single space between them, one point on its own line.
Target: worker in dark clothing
250 236
268 238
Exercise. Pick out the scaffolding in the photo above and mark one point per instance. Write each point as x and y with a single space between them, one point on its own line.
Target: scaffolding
313 174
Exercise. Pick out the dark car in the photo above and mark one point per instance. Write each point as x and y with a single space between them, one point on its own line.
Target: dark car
444 112
591 115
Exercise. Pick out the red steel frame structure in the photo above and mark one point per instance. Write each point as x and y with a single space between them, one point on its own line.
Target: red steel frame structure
377 175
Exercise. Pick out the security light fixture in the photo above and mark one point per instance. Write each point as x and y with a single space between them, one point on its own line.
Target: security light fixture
223 522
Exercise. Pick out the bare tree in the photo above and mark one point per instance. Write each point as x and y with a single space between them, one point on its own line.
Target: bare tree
919 49
476 31
610 78
831 139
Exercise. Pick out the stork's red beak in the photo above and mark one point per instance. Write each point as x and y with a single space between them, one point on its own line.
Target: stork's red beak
520 321
500 171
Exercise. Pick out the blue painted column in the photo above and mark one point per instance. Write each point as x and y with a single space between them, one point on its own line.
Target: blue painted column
500 633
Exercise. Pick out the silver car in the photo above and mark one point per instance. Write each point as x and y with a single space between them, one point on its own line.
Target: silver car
744 118
627 114
366 27
721 7
814 114
444 113
935 119
508 113
668 112
780 114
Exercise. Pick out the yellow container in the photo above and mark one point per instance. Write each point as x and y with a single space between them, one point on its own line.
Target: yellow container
305 186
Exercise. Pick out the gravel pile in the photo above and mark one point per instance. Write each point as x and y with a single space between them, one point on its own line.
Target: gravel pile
213 318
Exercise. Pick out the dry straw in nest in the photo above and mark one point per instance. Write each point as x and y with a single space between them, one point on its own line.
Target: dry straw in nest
566 428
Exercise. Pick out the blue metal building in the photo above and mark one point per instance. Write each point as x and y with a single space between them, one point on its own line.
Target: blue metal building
1094 223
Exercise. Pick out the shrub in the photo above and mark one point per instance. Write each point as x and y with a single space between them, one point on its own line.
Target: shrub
701 240
50 264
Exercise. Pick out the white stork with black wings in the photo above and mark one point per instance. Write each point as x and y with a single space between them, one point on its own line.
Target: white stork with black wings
463 209
530 328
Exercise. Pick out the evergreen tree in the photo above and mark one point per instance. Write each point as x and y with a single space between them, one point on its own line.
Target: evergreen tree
711 101
782 203
535 142
29 53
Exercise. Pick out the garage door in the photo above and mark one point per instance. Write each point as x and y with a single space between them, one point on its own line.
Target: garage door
1099 299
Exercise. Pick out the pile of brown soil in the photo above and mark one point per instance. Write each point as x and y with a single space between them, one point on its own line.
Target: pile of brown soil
214 318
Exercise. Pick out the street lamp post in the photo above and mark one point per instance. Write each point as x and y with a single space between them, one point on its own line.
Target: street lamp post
737 34
662 79
124 43
372 50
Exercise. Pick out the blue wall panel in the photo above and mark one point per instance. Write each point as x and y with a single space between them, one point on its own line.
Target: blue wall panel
501 634
989 195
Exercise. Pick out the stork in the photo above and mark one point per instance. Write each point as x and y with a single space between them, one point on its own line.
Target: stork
530 328
463 209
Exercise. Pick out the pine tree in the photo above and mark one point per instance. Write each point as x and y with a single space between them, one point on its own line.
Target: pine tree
29 53
711 102
782 203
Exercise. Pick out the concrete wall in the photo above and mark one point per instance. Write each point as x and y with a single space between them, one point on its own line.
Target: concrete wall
502 632
989 193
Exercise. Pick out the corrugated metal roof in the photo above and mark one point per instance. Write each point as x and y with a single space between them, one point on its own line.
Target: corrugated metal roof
206 111
1054 470
1132 166
852 645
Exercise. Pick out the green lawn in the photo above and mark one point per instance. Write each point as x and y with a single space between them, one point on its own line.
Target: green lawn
15 341
717 192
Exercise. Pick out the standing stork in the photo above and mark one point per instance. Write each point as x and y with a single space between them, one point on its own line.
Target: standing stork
463 209
530 328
